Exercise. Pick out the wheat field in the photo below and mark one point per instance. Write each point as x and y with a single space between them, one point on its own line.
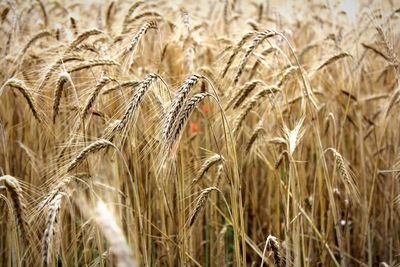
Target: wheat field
199 133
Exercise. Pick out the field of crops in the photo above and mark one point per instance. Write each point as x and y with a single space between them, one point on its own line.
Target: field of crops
199 133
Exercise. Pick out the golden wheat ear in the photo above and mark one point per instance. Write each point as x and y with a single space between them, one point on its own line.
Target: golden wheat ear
253 45
236 51
90 149
50 242
213 160
26 92
184 115
19 206
348 177
61 81
201 202
92 98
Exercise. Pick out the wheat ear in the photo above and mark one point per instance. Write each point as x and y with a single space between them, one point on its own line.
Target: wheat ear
245 91
93 63
52 225
56 65
133 104
185 114
207 165
272 245
139 35
62 79
20 86
90 149
178 103
344 172
202 200
132 84
333 59
36 37
253 45
131 9
19 205
253 103
258 130
82 37
92 98
236 51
